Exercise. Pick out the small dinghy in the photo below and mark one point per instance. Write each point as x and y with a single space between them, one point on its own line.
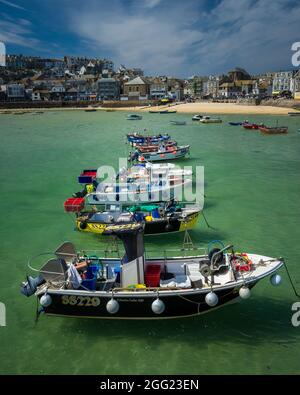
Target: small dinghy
273 130
235 123
197 117
137 138
90 284
168 111
134 117
210 120
178 122
90 109
157 218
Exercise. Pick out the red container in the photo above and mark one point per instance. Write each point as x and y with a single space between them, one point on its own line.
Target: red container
74 205
152 275
87 176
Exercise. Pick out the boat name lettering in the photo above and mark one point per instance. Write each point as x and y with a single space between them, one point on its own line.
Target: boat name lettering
296 316
84 301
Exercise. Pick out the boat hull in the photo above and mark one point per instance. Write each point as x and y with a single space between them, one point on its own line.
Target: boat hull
163 156
177 304
275 130
165 225
156 194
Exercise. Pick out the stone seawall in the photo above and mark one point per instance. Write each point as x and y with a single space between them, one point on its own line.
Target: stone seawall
293 104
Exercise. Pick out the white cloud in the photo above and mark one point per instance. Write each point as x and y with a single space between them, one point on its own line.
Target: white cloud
150 39
18 32
151 3
10 4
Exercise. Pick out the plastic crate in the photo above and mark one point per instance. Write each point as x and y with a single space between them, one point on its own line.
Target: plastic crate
152 275
74 205
87 176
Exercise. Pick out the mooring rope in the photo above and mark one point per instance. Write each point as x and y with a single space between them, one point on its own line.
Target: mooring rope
290 278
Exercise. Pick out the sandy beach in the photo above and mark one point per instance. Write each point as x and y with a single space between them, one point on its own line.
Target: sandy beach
215 108
190 108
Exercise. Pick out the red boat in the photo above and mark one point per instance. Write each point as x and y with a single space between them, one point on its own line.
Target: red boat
250 126
274 130
153 148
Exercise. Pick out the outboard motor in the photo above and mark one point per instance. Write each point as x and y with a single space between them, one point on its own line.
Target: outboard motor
29 287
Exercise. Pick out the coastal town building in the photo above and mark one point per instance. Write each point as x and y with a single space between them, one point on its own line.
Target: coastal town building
158 89
197 86
211 86
238 82
108 89
136 89
282 82
35 96
296 86
15 92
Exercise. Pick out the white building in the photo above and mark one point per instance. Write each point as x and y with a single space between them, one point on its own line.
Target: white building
282 82
15 91
158 91
296 86
35 96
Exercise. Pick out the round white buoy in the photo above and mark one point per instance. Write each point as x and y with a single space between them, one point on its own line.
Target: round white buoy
275 279
158 306
211 299
112 306
45 300
244 292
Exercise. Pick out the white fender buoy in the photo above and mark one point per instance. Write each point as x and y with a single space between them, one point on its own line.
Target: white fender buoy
45 300
158 306
211 299
112 306
275 279
244 292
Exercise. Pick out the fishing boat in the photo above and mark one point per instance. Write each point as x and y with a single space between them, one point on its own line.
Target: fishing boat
90 109
138 138
161 154
197 117
210 120
134 117
168 111
273 130
235 123
142 190
157 219
294 114
178 122
251 126
149 170
142 172
91 284
154 147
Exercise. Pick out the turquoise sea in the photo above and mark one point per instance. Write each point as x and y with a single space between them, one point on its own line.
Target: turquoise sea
252 193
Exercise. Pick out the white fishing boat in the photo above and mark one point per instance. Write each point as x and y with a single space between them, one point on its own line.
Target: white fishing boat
197 117
90 284
134 117
148 170
178 122
155 189
208 119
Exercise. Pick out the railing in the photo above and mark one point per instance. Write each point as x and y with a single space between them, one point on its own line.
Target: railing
149 254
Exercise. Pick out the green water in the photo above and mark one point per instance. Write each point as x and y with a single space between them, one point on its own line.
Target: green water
252 200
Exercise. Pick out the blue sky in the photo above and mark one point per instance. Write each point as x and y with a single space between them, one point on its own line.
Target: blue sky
166 37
